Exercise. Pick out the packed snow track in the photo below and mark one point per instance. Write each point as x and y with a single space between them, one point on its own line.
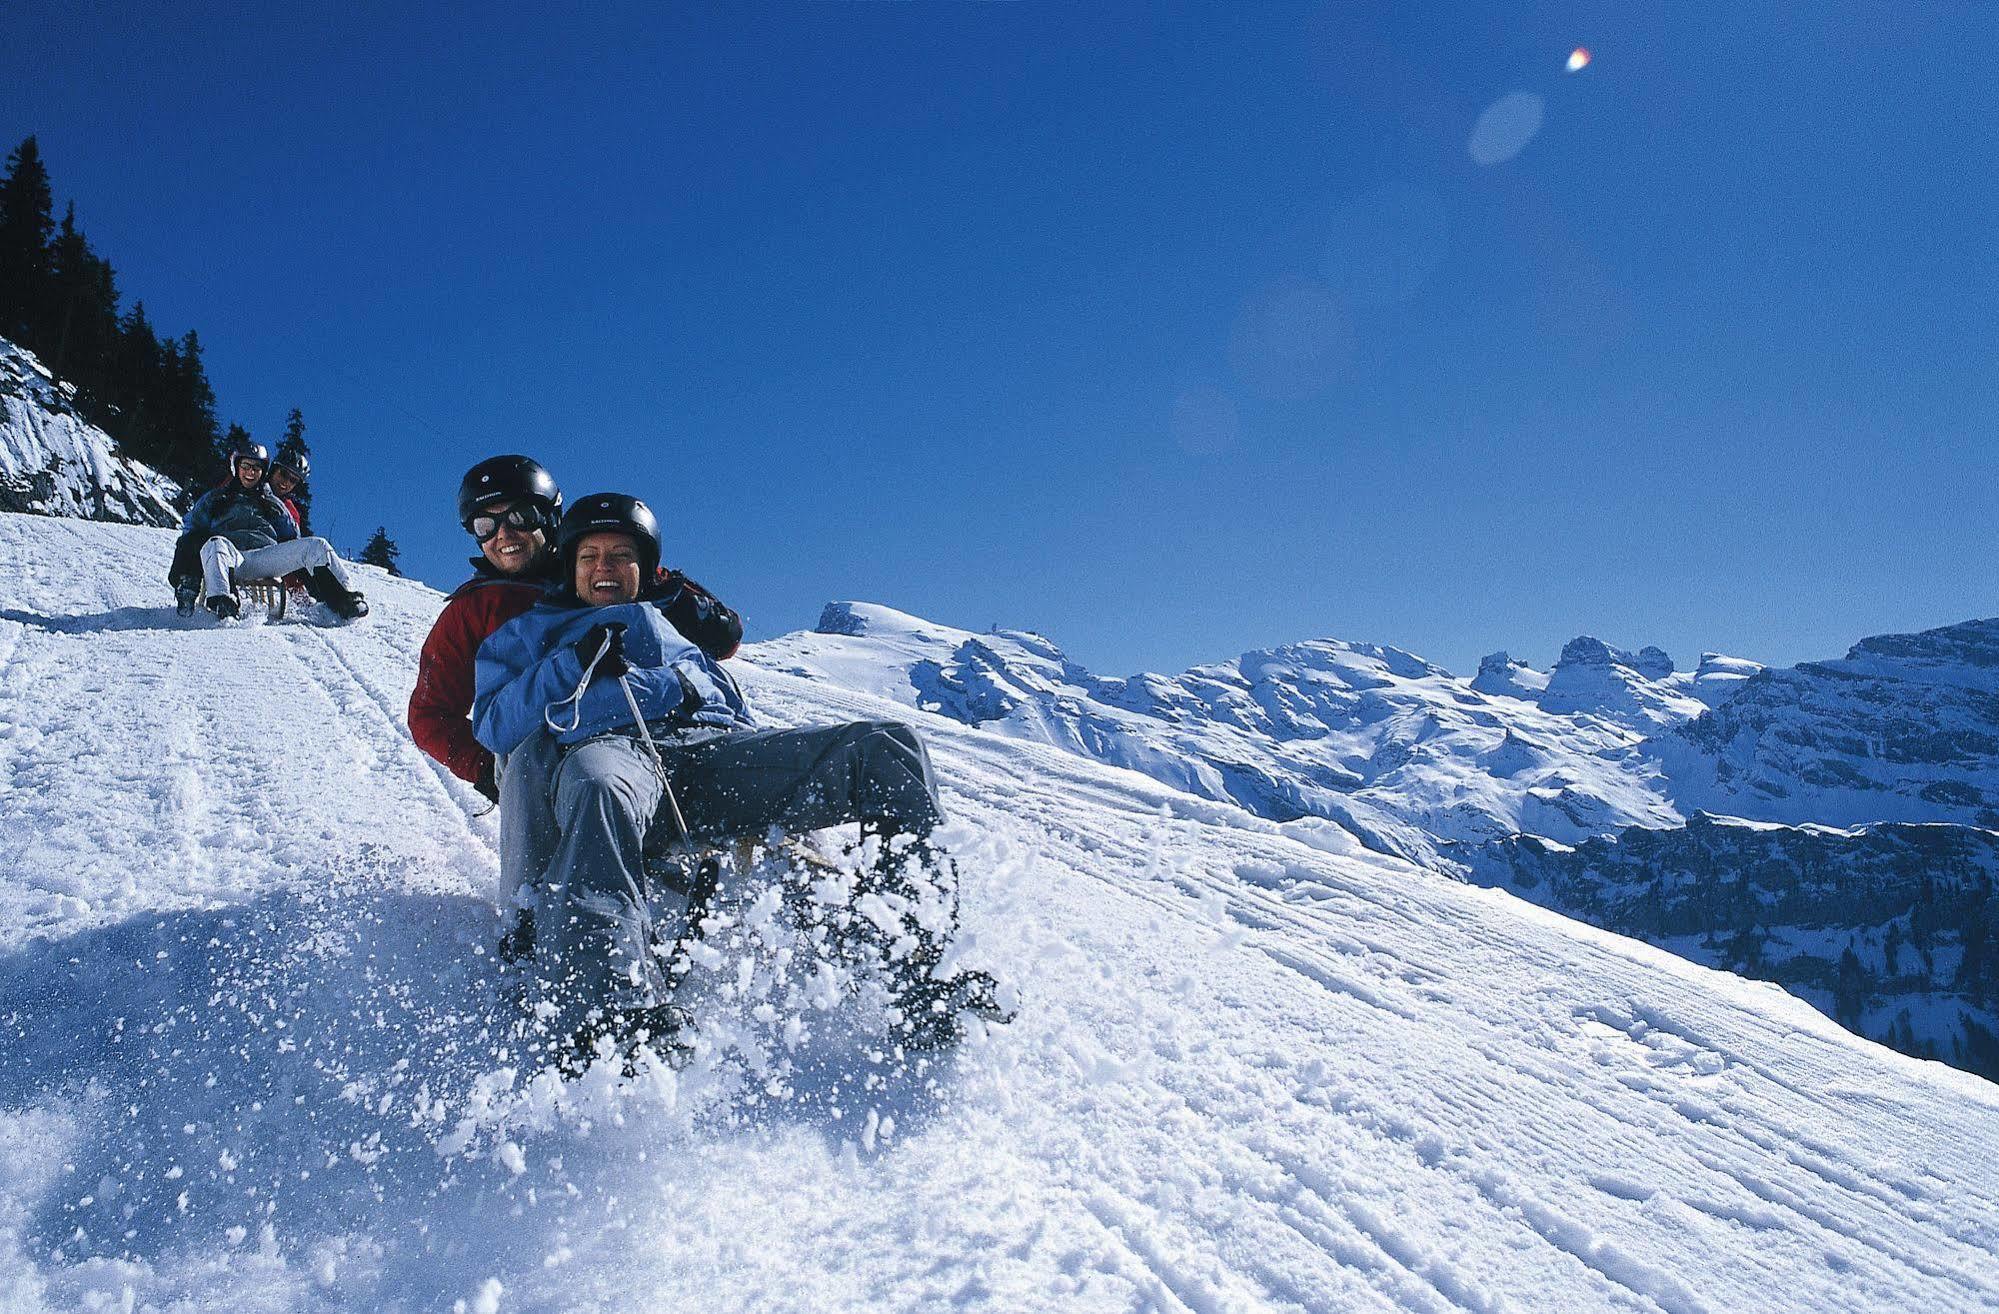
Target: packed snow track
252 1048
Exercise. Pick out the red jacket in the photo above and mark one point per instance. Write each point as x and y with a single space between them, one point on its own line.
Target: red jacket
441 704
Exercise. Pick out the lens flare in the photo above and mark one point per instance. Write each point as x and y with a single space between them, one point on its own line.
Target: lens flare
1578 59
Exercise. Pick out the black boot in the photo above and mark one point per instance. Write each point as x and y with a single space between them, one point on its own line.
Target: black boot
342 602
224 606
518 943
665 1029
932 1011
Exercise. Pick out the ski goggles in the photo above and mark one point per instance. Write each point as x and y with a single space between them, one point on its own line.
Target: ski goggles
527 519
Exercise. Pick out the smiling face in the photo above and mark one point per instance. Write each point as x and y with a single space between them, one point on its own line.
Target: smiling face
249 471
511 550
283 482
607 568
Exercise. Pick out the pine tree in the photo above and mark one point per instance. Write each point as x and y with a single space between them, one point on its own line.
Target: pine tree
1849 990
193 439
381 551
26 228
294 441
85 325
136 369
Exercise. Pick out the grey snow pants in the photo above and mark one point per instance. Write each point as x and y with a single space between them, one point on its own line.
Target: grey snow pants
601 808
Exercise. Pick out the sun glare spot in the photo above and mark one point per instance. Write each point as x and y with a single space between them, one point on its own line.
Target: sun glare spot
1578 59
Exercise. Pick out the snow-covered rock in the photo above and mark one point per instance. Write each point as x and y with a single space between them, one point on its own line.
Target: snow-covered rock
52 462
1719 678
1905 727
1499 673
1636 690
255 1054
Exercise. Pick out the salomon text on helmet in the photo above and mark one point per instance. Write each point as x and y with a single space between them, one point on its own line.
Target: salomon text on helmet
509 479
610 513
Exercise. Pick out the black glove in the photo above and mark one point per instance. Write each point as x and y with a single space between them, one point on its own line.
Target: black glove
605 646
486 784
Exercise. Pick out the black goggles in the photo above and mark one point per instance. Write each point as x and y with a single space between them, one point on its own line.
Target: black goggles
527 519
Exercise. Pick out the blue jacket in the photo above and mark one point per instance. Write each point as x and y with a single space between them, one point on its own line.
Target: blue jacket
248 519
531 662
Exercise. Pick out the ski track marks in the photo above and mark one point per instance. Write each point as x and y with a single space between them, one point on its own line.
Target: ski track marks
243 963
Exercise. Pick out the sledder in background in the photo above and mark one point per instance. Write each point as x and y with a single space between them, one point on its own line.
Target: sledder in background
244 530
640 733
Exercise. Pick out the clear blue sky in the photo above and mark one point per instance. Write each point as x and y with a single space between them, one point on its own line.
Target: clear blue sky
1168 331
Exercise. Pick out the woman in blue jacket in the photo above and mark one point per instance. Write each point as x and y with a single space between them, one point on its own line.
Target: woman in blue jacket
591 662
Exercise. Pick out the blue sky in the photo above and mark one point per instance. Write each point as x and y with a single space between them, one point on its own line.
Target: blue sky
1168 331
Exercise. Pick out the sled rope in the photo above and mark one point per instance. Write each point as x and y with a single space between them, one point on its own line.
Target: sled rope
575 701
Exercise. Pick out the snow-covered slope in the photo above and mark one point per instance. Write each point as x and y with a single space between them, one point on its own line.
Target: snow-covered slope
1398 750
252 1055
54 463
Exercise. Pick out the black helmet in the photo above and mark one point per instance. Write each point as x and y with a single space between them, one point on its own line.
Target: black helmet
295 460
252 449
609 513
509 479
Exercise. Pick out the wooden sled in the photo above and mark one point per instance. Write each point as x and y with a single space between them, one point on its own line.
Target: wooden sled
268 596
693 871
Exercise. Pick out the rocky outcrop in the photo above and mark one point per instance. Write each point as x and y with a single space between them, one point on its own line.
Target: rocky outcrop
53 462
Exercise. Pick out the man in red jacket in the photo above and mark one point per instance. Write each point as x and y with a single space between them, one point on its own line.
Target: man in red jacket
510 505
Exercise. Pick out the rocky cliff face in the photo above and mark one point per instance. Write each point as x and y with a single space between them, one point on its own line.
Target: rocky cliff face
1905 727
1893 929
54 463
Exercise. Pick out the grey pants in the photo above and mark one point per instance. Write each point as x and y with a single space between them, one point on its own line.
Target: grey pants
594 930
221 560
527 815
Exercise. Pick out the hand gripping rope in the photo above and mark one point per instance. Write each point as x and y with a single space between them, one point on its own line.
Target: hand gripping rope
575 704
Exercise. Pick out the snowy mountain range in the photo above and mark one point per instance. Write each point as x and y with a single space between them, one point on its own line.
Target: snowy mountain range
255 1045
1452 774
53 462
1409 757
1905 727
